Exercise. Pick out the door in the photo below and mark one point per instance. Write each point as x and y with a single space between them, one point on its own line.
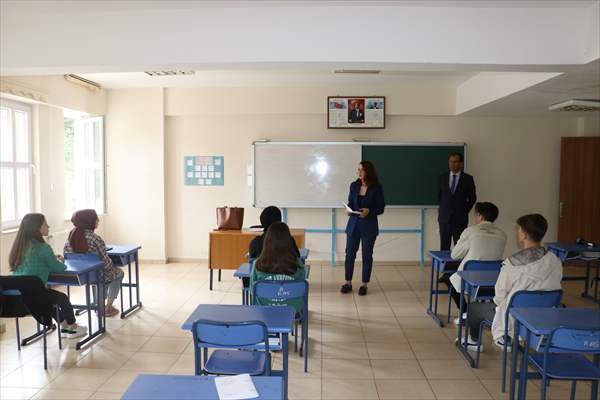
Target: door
579 207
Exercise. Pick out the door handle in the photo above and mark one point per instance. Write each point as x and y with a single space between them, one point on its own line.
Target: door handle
561 207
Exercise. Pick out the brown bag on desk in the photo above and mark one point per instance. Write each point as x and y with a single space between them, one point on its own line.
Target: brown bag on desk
230 218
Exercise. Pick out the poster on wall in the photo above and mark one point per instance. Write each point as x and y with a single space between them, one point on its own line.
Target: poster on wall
356 112
204 170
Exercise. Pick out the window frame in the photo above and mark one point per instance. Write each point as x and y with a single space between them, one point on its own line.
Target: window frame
15 165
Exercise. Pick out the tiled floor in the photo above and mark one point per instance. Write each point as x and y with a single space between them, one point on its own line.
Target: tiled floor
382 346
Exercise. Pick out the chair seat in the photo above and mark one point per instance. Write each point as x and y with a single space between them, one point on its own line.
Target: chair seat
566 366
234 362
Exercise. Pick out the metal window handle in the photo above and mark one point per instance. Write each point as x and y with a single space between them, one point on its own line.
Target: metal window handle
561 206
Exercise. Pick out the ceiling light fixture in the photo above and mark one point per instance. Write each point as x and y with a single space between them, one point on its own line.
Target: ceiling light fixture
357 71
83 82
576 105
169 73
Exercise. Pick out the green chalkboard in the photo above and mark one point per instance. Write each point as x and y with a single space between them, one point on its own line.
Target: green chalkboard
409 174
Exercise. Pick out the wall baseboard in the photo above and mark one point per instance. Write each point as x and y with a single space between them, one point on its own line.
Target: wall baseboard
187 260
153 261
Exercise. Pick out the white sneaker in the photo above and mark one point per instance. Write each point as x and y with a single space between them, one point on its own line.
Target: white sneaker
457 320
500 343
72 333
471 344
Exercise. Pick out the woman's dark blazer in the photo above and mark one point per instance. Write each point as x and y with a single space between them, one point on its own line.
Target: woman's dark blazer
374 201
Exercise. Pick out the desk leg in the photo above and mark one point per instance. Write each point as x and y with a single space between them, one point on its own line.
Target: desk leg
137 280
524 365
595 383
586 280
219 275
513 365
464 348
210 280
434 276
285 338
130 284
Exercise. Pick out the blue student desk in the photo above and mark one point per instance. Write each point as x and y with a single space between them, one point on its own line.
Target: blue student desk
471 281
190 387
124 256
439 259
542 321
574 252
85 271
278 319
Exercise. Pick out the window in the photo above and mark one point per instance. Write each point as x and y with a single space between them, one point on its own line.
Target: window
84 162
16 196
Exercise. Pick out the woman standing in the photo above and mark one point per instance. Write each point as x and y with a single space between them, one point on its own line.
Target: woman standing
366 196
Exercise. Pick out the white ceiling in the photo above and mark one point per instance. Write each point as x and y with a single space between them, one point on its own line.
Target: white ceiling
281 78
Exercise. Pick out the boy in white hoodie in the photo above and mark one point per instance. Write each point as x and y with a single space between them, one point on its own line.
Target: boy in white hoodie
532 268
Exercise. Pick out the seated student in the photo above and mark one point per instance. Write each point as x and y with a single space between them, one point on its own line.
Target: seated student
483 241
533 268
30 255
82 239
268 216
278 261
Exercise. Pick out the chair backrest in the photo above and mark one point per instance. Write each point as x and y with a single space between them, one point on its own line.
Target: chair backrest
478 265
536 299
576 340
281 290
82 256
230 334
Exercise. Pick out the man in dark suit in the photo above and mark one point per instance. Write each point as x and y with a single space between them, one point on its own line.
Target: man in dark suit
456 196
356 115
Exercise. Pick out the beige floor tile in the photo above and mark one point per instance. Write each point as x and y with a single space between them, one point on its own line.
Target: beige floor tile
390 389
304 389
120 381
105 396
344 350
83 379
454 389
379 335
52 394
390 351
346 369
7 393
419 335
158 344
349 389
184 365
494 388
126 342
155 362
342 334
446 369
104 358
424 322
30 376
432 351
397 369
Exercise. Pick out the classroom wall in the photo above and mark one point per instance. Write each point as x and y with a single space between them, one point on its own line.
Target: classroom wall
135 171
515 162
48 148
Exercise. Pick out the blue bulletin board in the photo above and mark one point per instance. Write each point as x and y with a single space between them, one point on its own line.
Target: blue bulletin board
204 170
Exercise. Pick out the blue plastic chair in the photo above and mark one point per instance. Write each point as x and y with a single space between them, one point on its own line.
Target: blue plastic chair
279 291
562 357
522 298
475 265
242 341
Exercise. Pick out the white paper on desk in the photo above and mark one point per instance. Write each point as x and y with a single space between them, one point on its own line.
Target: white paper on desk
237 387
351 211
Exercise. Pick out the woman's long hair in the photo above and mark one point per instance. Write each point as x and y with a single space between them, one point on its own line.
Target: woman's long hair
278 253
371 178
29 231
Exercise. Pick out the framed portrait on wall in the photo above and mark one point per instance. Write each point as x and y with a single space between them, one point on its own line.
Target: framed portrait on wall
356 112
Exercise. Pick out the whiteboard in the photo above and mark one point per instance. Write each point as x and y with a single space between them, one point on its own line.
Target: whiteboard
304 174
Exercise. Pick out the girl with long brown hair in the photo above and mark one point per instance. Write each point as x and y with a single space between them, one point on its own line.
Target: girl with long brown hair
30 255
278 261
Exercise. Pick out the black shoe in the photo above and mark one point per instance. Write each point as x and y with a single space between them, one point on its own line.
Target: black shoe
362 291
346 288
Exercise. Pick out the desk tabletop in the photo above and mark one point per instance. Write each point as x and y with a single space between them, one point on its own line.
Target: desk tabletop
294 232
572 247
190 387
541 321
79 266
244 271
442 255
278 319
122 250
479 278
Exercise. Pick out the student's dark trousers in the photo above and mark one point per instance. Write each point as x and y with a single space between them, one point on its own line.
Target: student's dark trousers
64 306
352 242
480 312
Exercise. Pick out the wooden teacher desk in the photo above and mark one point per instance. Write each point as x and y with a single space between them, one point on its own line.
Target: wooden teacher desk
228 249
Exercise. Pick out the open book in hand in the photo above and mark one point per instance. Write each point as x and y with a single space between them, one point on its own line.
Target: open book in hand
351 211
